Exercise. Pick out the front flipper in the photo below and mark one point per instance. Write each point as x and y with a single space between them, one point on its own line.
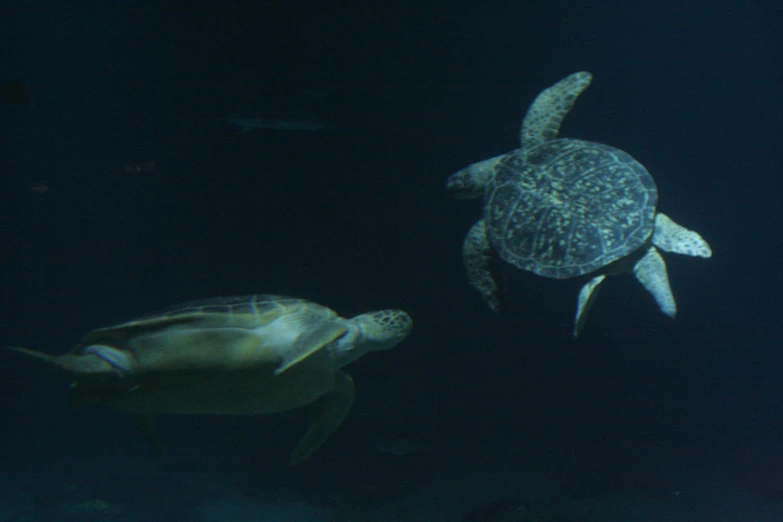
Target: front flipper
672 237
325 417
547 111
651 272
585 301
479 259
310 341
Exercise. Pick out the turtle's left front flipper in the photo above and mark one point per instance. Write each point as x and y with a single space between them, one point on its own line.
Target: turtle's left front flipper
325 416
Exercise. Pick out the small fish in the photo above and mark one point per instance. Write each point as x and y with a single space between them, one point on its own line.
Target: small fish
16 92
141 167
279 124
39 187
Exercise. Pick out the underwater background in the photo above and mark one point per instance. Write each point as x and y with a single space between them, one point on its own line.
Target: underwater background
129 185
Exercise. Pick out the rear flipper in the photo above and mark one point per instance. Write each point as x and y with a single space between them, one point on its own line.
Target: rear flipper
673 237
585 302
325 417
75 364
651 272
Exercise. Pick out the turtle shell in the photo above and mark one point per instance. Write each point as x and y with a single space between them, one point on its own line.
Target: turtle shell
240 312
569 207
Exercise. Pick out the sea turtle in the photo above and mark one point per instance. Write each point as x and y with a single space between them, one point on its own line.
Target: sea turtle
234 355
563 208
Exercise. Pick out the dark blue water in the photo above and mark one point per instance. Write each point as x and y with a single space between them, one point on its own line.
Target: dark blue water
124 189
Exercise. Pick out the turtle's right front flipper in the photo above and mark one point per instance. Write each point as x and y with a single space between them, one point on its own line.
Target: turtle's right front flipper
479 259
543 119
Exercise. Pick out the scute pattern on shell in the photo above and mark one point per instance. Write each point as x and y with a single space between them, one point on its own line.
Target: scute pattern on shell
244 304
248 311
569 207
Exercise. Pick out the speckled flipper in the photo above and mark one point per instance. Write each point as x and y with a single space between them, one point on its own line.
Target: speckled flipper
478 256
672 237
543 119
585 301
651 272
325 416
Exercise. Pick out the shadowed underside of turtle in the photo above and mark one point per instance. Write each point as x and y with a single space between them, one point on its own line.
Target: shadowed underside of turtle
240 355
564 208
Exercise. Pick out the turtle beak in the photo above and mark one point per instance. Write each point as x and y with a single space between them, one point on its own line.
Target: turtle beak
73 364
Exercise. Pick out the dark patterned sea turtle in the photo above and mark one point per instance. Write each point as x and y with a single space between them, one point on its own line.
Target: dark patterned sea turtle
563 208
236 355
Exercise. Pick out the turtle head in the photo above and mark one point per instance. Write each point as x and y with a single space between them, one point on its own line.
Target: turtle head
372 332
471 181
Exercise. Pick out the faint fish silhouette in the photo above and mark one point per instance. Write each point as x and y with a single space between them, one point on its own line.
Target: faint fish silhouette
38 187
142 167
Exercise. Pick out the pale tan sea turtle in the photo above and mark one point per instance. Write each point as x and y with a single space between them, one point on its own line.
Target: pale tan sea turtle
235 355
564 208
